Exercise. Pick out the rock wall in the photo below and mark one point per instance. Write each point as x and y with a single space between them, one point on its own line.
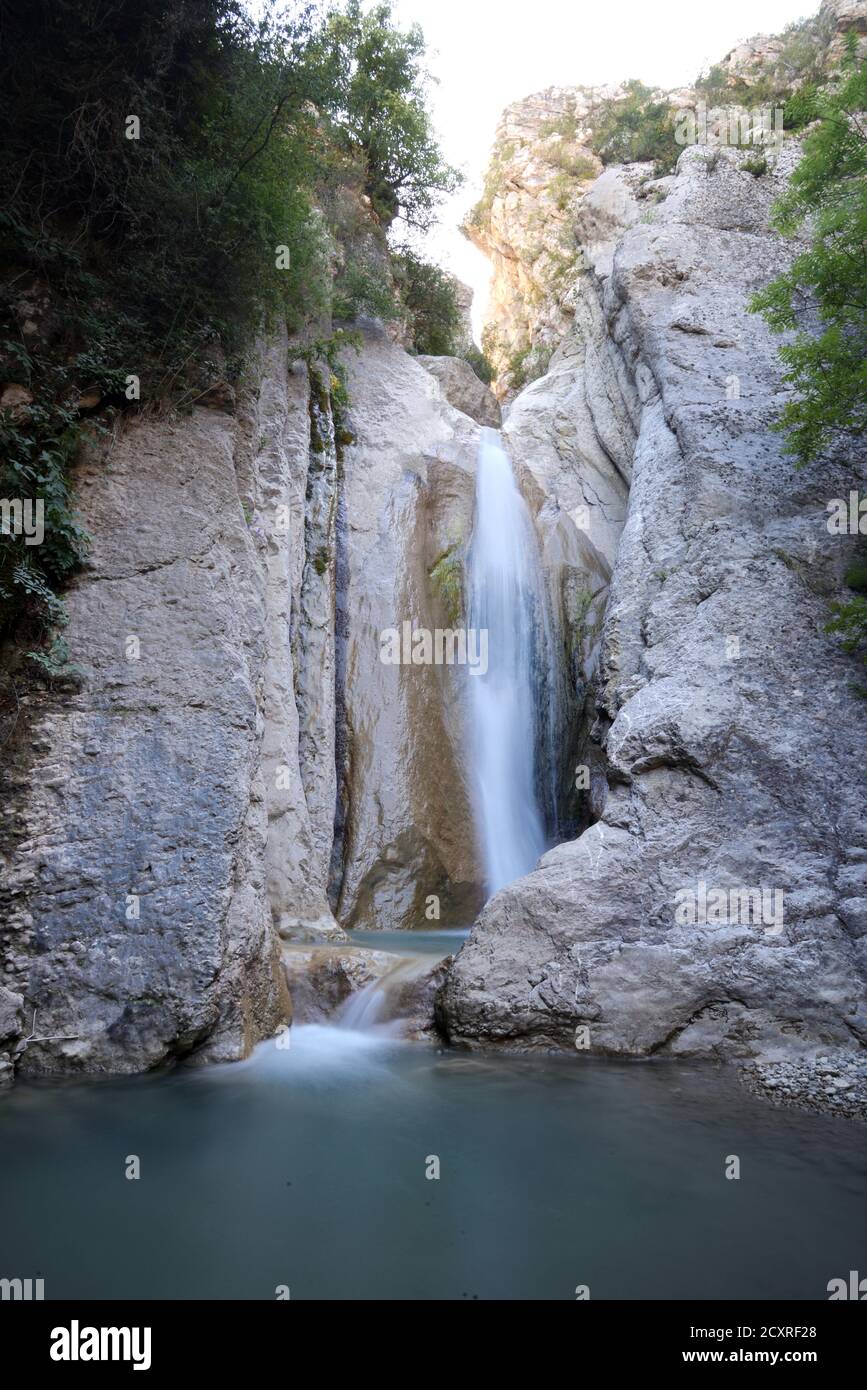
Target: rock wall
544 160
725 715
145 847
235 763
408 490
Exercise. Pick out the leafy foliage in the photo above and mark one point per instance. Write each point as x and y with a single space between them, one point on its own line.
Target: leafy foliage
822 299
429 296
163 165
636 127
381 111
481 364
849 621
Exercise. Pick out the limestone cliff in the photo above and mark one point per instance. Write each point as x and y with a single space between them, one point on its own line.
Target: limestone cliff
546 156
722 725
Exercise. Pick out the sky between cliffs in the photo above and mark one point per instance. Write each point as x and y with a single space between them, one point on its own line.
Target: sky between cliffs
489 53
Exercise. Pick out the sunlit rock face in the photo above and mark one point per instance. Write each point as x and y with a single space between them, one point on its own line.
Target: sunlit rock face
464 390
723 717
543 163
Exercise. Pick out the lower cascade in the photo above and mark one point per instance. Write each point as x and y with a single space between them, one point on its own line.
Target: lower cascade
511 717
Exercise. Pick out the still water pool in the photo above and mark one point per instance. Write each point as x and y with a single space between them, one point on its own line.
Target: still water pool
306 1167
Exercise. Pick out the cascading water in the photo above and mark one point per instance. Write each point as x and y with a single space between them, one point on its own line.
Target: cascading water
512 704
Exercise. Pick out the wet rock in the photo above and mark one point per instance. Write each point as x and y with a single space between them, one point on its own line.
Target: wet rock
321 980
813 1082
11 1014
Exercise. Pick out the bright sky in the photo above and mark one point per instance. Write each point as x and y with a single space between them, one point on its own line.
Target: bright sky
488 53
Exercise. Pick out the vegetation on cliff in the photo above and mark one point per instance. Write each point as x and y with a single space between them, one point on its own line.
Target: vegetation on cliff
171 175
821 301
827 283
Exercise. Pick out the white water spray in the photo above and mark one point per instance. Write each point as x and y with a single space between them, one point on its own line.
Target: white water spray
506 595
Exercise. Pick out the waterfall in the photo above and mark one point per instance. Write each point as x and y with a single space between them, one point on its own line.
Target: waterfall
512 705
378 1007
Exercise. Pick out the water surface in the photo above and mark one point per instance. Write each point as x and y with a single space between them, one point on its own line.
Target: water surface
306 1167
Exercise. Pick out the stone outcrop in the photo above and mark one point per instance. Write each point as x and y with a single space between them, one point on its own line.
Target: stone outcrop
157 834
541 163
544 159
815 43
10 1031
320 979
463 389
724 715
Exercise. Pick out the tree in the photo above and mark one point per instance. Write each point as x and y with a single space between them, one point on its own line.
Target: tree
381 110
822 298
428 294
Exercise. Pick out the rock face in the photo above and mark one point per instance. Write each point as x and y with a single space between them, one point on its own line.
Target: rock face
544 160
463 389
725 716
406 845
822 38
236 760
158 834
10 1031
541 163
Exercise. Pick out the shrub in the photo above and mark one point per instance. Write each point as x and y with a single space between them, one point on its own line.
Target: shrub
160 256
429 296
380 111
481 364
828 368
801 107
365 289
636 127
757 165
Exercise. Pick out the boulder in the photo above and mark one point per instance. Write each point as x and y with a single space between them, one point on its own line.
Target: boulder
464 390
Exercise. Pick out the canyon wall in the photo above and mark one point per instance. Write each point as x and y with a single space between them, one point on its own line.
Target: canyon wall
234 764
723 723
